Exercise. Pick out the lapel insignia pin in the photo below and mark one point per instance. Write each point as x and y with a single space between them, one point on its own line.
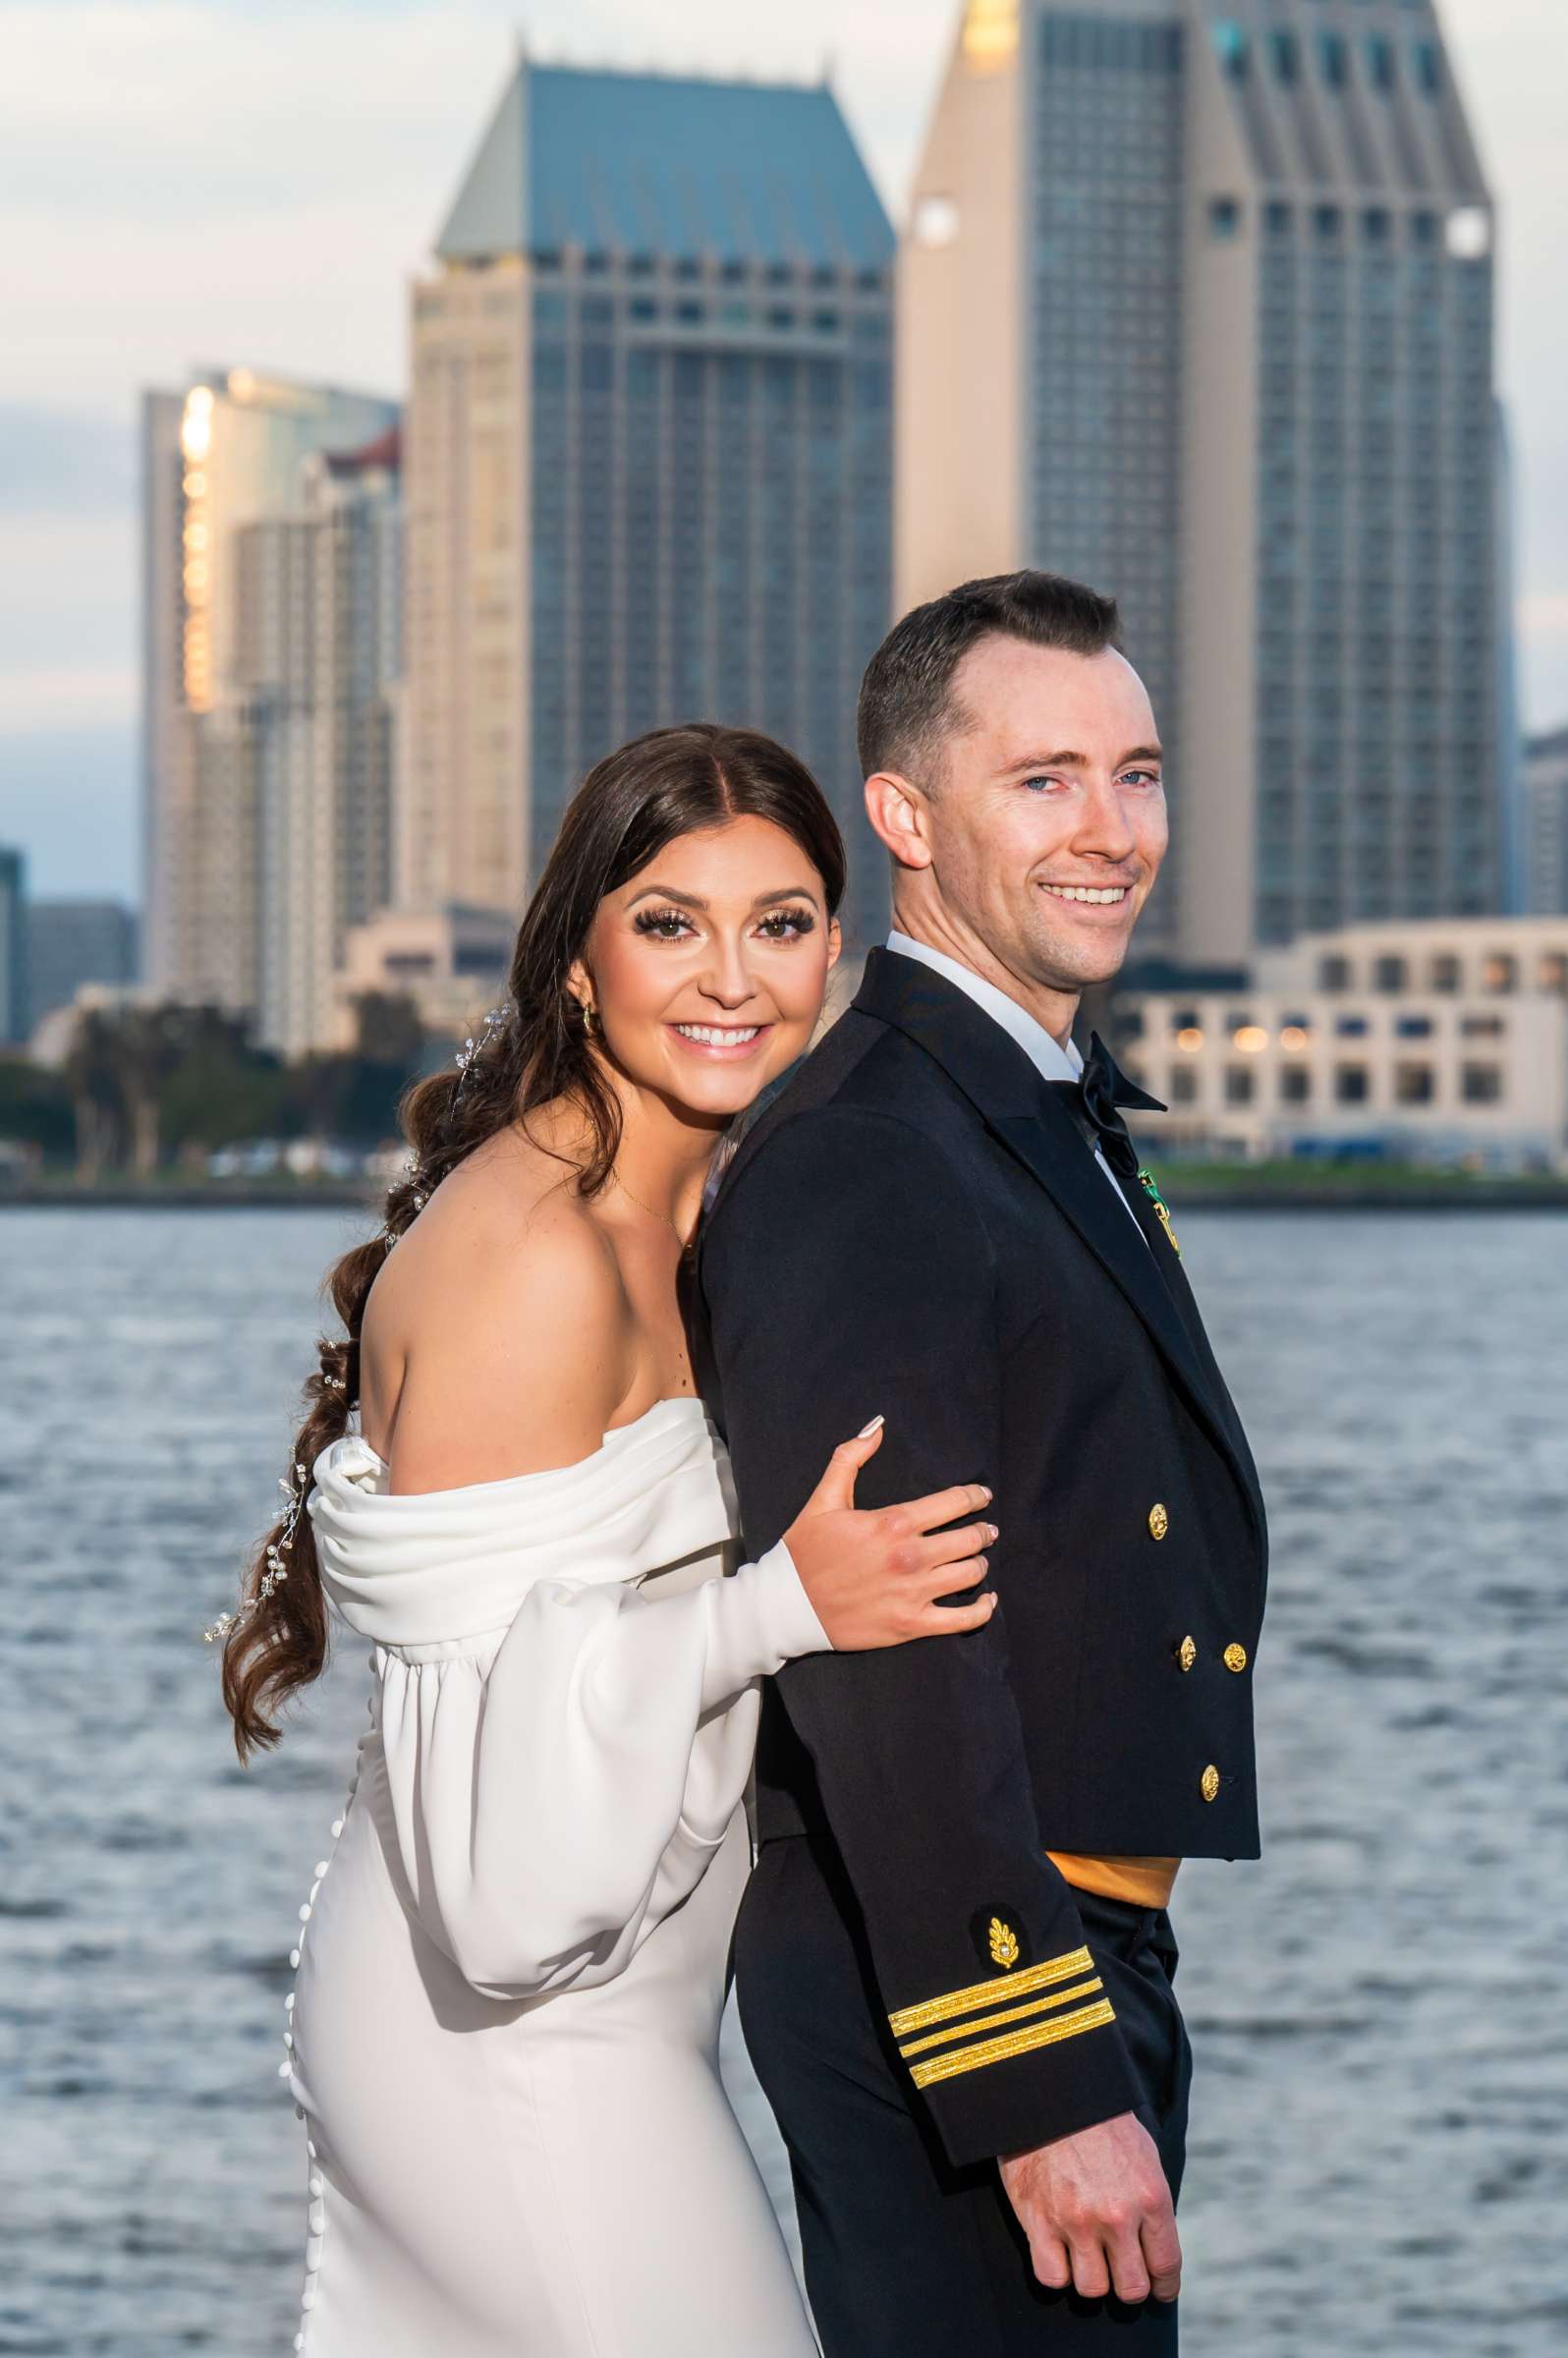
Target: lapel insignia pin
1150 1187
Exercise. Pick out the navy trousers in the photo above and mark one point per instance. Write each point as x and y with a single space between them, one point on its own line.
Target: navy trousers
907 2257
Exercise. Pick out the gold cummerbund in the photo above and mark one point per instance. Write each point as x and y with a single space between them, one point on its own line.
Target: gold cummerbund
1143 1882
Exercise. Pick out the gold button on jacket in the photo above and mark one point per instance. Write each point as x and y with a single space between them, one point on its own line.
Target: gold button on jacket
1208 1783
1235 1658
1158 1522
1186 1654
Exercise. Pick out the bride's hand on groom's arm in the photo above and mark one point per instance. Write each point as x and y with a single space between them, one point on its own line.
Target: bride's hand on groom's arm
875 1575
1097 2213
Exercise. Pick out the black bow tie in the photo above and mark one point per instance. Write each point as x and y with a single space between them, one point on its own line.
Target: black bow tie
1094 1100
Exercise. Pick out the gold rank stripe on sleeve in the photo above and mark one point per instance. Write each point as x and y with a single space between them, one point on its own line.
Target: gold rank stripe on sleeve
1069 1967
995 2022
1015 2043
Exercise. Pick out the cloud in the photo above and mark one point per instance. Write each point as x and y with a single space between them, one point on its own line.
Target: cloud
82 695
61 463
1542 654
1543 617
68 798
216 181
258 184
68 591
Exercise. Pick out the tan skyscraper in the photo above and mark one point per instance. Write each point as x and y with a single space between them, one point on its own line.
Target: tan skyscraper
462 834
319 641
220 457
1196 303
648 471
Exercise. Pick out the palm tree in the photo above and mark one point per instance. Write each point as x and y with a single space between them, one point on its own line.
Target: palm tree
387 1029
97 1102
158 1044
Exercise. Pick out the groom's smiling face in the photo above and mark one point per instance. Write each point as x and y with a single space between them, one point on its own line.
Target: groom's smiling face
1044 811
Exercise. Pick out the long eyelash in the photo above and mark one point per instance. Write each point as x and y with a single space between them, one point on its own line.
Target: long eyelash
656 921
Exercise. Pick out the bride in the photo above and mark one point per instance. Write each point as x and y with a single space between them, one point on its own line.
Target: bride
503 2037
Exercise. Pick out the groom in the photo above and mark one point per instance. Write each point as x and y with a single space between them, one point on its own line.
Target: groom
954 1958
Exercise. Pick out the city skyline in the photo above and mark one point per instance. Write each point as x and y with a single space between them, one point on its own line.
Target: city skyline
222 176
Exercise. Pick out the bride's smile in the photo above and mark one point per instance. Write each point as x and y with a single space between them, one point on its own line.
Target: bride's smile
706 971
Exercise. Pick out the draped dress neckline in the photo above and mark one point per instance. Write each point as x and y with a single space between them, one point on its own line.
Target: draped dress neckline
424 1567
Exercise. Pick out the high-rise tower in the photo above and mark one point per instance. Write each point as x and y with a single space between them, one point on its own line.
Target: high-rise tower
317 656
1546 797
224 454
649 464
1220 276
15 1011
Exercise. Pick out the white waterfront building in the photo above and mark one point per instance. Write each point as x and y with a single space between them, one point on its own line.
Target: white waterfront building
1443 1041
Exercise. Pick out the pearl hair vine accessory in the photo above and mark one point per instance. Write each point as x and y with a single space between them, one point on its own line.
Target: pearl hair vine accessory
277 1567
473 1048
416 1175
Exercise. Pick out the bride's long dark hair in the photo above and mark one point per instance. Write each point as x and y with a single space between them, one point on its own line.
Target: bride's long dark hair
670 783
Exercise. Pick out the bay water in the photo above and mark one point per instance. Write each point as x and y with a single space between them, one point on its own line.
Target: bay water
1379 2010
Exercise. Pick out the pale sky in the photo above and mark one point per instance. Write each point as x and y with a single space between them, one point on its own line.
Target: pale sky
188 182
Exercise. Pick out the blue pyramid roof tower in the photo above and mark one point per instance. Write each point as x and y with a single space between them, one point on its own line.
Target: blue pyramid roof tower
638 163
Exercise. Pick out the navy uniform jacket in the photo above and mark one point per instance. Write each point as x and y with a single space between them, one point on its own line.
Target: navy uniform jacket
916 1227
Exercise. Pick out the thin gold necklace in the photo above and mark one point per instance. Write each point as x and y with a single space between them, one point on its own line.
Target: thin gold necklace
685 1243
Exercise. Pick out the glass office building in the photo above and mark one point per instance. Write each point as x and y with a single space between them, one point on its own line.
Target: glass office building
648 459
71 943
318 651
1242 254
223 454
15 1011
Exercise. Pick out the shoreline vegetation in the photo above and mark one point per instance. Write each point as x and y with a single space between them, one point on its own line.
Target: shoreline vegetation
1194 1186
162 1108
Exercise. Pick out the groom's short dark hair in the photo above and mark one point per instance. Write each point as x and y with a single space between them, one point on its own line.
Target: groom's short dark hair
907 704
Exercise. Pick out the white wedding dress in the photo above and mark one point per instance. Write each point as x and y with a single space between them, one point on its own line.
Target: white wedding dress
504 2032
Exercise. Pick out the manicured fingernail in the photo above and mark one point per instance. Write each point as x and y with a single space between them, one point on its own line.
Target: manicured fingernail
867 1430
987 1495
992 1528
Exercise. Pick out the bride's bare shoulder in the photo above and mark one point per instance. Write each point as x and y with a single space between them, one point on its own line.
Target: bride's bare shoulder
498 1339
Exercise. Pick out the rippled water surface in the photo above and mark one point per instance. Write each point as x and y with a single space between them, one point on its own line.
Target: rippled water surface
1380 2139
